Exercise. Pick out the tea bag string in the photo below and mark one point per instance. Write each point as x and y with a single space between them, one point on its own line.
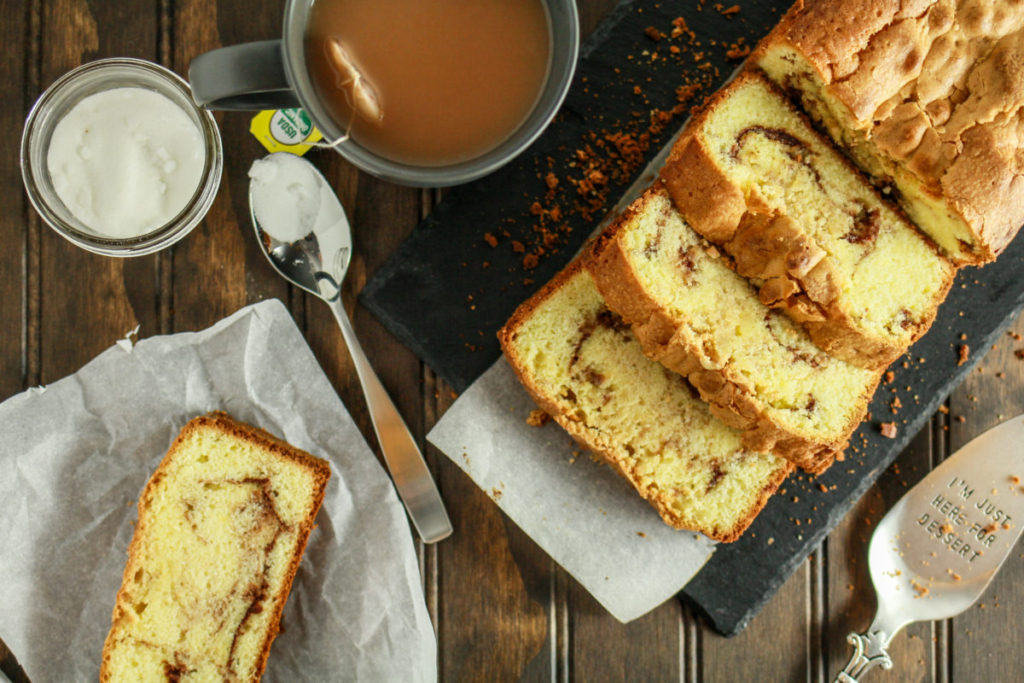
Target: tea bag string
333 144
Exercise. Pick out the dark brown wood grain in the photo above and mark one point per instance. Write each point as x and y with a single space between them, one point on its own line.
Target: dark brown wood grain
980 648
647 649
495 596
502 609
219 268
850 595
83 296
18 359
774 647
14 35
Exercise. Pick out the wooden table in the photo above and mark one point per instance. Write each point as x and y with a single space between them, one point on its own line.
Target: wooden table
503 611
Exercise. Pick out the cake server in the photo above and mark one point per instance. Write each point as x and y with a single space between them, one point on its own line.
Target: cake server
317 263
935 552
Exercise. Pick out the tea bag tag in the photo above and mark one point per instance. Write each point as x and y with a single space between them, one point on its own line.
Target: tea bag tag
285 130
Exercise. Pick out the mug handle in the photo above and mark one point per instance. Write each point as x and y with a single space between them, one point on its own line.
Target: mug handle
246 77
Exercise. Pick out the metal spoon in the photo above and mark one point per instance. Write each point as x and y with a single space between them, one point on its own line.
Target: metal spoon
935 552
317 263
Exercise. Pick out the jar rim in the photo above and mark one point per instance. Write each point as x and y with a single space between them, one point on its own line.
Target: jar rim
73 86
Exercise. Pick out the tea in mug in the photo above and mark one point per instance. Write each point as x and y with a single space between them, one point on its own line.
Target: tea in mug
428 82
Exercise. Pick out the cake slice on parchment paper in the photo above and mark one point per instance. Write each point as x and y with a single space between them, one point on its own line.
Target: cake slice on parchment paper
581 363
926 96
223 523
759 370
751 175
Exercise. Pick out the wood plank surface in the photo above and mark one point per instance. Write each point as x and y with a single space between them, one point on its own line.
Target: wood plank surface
979 647
19 226
502 609
84 296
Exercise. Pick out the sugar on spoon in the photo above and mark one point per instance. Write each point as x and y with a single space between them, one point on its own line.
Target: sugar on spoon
302 228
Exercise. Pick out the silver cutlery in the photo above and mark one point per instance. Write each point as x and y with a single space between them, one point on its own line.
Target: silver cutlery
936 551
317 263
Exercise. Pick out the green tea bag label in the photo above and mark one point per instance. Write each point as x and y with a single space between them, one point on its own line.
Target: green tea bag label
285 130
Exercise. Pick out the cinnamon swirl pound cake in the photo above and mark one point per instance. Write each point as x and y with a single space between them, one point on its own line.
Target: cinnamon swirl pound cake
751 175
926 96
583 366
760 372
222 526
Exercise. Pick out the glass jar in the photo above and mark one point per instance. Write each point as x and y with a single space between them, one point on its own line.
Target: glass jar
60 98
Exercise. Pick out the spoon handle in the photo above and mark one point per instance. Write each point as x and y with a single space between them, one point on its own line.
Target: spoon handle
408 469
869 652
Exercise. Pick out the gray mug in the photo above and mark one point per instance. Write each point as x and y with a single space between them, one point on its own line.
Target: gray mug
272 74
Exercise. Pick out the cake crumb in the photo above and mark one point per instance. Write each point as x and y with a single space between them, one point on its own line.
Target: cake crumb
888 430
537 418
889 376
737 50
944 409
963 354
490 239
641 534
653 33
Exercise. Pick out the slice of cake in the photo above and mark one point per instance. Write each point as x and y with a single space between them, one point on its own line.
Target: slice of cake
751 175
927 97
583 366
222 526
760 371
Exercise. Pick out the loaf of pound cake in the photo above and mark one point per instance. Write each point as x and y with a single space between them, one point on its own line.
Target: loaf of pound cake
750 174
927 96
223 523
583 366
759 370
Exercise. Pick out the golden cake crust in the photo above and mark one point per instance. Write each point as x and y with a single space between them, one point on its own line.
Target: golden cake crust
936 88
656 330
659 500
795 273
225 424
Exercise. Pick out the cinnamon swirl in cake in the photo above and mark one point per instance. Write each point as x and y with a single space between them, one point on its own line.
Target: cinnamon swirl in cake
751 175
927 97
583 365
692 312
222 526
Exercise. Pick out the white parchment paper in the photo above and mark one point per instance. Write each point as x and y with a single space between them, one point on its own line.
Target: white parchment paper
585 516
75 455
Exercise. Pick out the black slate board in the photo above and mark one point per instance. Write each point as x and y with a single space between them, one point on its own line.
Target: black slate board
438 298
